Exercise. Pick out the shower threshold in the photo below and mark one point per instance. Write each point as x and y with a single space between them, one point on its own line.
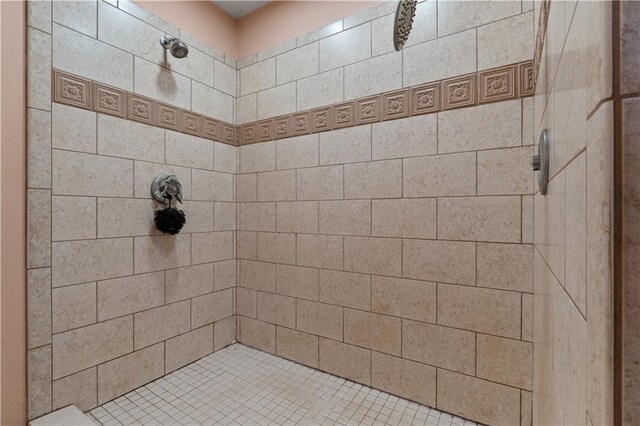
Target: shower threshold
239 385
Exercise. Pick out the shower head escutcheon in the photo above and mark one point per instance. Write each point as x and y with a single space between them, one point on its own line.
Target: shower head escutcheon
405 13
177 48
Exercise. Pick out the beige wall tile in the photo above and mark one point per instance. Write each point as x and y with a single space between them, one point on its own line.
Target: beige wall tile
247 108
319 319
156 82
225 158
549 225
320 90
260 157
404 218
490 311
257 217
39 148
225 78
320 251
298 63
380 179
480 218
39 307
92 175
379 332
224 333
186 348
506 42
296 281
161 323
488 126
469 397
277 101
348 145
527 219
441 175
404 298
146 172
277 248
297 346
439 346
298 217
432 260
85 347
38 228
39 381
276 309
247 187
73 306
124 217
458 16
408 379
345 360
257 334
123 296
247 302
505 361
526 405
527 317
187 282
576 231
247 245
80 389
345 48
320 183
441 58
372 76
211 307
39 16
83 261
277 186
505 171
258 275
408 137
75 129
381 256
211 246
224 217
301 151
506 266
189 151
164 252
224 274
39 70
73 218
349 217
129 372
118 137
90 58
212 186
211 102
345 289
146 16
258 76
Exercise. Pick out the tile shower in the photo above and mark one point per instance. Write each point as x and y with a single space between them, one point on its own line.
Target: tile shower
350 209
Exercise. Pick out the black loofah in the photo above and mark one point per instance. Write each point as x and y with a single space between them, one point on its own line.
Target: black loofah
169 220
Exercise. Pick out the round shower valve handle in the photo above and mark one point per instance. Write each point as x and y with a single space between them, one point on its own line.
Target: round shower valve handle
536 163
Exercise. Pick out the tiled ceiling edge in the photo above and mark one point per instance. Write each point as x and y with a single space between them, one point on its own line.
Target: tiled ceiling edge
494 85
80 92
541 33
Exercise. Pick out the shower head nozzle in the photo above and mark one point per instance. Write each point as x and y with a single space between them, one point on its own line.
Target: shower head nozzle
177 48
404 20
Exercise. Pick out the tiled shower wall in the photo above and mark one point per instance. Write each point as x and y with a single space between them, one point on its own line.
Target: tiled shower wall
573 290
112 303
397 254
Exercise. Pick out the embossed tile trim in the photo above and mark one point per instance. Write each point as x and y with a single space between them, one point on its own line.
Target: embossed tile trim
80 92
425 99
321 120
265 130
459 92
301 123
541 34
526 79
497 85
248 134
395 104
368 110
282 127
344 115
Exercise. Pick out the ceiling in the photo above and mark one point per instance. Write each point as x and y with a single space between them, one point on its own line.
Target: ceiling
237 9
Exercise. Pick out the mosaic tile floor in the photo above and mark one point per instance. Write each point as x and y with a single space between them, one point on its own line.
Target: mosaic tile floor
239 385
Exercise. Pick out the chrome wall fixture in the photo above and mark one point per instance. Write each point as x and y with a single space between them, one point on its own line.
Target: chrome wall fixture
165 188
177 48
405 13
540 161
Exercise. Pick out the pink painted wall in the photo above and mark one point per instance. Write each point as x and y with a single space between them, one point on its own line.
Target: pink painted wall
272 24
13 320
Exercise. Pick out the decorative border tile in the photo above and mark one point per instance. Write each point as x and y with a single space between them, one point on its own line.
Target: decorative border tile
282 127
108 100
248 134
167 116
459 92
497 85
368 110
71 90
211 129
527 79
425 99
229 134
301 123
191 123
266 130
343 115
395 104
321 120
140 108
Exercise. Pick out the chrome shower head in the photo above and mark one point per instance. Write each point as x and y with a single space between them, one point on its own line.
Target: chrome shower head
177 48
405 13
